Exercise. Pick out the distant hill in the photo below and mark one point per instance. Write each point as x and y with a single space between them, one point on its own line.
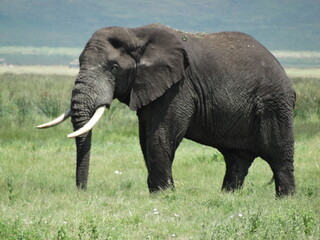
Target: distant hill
278 24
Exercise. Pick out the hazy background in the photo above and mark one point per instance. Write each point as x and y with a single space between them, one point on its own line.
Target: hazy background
278 24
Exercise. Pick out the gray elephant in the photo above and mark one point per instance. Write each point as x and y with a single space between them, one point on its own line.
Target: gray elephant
223 90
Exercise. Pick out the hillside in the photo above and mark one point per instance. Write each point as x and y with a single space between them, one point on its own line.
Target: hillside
280 25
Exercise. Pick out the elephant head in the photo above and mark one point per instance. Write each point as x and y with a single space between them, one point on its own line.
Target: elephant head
135 66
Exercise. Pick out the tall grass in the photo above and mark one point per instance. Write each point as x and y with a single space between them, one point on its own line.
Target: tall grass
308 98
39 200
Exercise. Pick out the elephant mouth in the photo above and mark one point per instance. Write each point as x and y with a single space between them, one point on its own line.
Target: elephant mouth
86 128
90 124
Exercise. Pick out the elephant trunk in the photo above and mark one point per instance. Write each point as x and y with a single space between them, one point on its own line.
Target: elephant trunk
87 106
83 144
80 116
82 108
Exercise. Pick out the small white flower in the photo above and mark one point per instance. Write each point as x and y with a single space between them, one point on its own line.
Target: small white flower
117 172
176 215
240 215
231 216
155 211
173 235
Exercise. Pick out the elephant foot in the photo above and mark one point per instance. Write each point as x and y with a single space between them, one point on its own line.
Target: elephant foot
284 183
283 174
231 186
82 186
156 185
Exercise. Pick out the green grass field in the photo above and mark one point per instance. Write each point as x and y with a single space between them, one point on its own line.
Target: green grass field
39 199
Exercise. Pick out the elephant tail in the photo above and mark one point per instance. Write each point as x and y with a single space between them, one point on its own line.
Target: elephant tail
271 181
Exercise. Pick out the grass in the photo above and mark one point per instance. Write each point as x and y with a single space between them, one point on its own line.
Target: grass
303 72
39 199
40 70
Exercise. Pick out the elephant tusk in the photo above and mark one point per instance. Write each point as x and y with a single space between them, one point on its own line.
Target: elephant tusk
89 125
56 121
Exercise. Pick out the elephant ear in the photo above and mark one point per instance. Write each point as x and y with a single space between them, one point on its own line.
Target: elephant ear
162 62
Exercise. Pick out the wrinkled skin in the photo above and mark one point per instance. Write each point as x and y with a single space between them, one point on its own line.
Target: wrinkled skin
223 90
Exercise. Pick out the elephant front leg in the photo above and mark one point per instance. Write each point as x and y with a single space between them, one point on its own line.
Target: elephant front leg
159 172
158 156
158 144
162 126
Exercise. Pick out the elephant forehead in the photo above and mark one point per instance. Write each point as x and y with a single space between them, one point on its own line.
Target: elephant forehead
112 54
98 51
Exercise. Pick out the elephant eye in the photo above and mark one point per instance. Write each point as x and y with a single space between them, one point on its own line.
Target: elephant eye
114 69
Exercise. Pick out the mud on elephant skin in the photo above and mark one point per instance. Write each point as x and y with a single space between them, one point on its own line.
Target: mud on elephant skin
223 90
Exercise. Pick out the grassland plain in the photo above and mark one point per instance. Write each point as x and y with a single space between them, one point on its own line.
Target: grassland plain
39 200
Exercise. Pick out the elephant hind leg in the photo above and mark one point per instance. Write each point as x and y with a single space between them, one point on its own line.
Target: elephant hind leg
284 180
237 165
283 171
277 147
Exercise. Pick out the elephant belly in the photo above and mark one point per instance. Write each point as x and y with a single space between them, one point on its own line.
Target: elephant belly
225 134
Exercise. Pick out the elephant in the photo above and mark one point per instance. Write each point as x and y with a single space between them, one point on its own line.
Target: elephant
223 90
